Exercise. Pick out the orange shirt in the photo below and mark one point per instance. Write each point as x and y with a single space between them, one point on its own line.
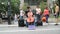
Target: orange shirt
30 17
46 12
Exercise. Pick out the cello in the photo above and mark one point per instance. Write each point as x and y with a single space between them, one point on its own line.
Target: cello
30 18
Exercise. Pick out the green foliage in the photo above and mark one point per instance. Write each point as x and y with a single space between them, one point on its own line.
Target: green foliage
43 5
25 6
14 6
3 6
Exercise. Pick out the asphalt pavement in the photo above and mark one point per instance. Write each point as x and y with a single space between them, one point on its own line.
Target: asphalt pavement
46 29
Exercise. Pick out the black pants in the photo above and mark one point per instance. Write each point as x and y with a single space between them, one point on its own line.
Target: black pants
39 22
21 23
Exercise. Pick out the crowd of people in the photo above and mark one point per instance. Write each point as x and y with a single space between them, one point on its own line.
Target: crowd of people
37 18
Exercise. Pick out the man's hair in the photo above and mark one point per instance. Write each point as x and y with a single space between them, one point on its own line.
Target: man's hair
46 7
56 4
28 7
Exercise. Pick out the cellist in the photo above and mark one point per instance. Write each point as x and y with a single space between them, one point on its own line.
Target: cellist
30 18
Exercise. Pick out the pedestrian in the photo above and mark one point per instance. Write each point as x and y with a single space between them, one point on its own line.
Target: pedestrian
56 13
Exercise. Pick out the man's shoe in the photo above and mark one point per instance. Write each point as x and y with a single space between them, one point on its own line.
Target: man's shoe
56 24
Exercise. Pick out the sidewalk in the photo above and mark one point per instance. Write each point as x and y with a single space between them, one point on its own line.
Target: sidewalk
51 22
3 25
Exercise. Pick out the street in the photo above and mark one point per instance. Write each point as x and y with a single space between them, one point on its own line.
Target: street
17 15
46 29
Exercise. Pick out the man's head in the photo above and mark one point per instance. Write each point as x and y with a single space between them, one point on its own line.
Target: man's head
46 7
56 4
28 7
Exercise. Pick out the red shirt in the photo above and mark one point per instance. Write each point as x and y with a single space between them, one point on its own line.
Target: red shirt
46 12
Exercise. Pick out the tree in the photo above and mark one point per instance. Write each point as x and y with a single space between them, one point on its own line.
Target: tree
14 6
3 5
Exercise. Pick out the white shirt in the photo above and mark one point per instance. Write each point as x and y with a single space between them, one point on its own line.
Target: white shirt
38 10
21 12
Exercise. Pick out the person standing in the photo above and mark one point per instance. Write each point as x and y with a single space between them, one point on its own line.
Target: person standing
56 13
